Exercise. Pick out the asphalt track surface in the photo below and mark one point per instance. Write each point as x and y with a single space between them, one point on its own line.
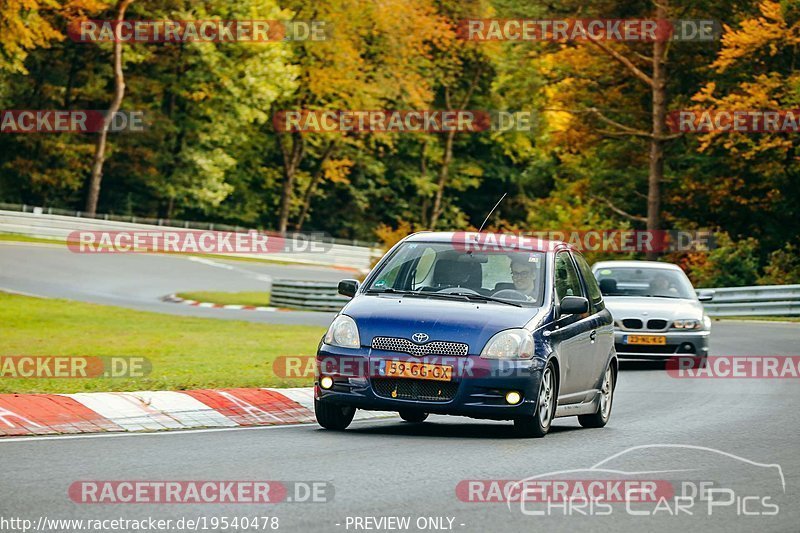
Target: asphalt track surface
741 434
139 281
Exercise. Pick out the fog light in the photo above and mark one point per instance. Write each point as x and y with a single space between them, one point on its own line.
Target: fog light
326 382
513 398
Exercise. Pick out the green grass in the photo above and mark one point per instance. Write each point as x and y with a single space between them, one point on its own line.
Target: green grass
228 298
185 352
763 318
13 237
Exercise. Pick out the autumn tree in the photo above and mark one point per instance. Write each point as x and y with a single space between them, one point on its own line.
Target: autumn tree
378 57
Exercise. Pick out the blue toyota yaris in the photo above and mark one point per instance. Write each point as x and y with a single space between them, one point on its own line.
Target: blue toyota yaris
471 324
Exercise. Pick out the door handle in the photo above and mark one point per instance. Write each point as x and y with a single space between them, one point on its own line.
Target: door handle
593 335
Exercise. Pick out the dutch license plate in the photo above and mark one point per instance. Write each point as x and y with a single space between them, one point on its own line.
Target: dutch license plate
407 369
659 340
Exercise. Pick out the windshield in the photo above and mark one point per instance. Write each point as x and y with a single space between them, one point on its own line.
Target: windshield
656 282
438 269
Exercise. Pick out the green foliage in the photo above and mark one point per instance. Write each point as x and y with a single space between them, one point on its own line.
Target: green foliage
729 264
210 151
783 267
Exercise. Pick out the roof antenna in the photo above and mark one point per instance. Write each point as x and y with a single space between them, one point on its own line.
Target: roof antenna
492 211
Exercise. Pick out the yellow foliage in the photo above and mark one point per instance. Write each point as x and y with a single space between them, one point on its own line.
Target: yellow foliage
389 236
337 170
769 31
29 24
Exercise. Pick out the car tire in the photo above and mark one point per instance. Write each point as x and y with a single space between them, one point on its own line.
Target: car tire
537 425
603 414
332 416
415 417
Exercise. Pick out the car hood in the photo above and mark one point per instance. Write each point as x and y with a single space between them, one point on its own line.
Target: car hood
473 323
667 308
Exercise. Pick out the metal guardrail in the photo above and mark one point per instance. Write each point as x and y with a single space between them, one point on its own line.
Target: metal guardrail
765 300
49 223
39 224
170 223
308 295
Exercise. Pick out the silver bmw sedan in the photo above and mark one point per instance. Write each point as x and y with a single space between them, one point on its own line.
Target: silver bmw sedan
657 314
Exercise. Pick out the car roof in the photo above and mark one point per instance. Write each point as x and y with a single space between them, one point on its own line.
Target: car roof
636 264
525 242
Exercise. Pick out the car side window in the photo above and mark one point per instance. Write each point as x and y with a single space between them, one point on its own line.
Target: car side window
567 281
595 296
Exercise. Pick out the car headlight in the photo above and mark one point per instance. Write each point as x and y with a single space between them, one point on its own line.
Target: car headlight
509 344
343 332
687 324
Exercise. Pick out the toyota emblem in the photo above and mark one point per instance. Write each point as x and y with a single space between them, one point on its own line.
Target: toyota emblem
419 338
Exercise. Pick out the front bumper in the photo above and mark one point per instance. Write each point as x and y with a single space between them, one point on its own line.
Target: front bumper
477 389
678 344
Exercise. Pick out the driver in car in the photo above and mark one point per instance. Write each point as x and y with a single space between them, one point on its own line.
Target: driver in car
660 286
523 274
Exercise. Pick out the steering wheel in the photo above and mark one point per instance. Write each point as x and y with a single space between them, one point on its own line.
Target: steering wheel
463 290
510 294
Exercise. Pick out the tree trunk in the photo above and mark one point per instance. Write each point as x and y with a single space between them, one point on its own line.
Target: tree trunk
423 169
444 172
119 92
659 110
291 161
313 185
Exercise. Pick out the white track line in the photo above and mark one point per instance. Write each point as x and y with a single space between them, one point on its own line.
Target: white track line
6 440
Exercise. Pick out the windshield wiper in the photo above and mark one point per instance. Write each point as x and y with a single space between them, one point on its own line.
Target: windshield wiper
419 294
447 295
390 290
480 297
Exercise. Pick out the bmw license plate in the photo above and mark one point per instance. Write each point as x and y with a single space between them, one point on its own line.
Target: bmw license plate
657 340
407 369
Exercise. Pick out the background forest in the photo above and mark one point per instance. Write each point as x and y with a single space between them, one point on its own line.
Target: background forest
210 151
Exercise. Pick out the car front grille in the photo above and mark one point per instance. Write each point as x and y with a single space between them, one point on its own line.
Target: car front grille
632 323
396 344
415 389
654 324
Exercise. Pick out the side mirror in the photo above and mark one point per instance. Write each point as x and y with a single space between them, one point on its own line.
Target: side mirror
348 287
705 296
574 305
